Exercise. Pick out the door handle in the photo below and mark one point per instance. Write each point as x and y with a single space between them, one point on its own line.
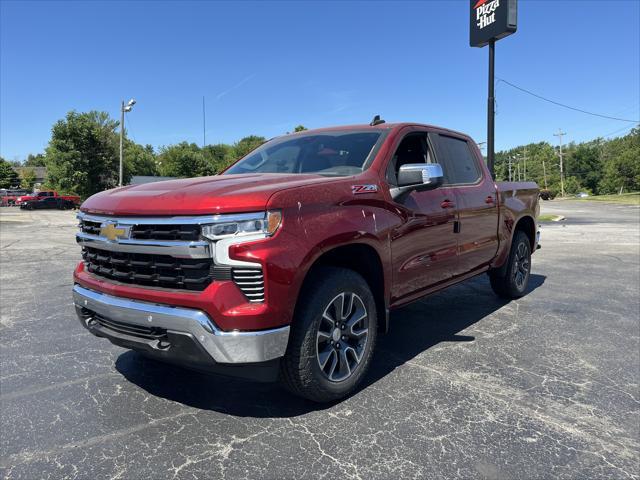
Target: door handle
447 204
489 199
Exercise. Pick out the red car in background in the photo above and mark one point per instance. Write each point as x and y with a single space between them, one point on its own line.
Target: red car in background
75 199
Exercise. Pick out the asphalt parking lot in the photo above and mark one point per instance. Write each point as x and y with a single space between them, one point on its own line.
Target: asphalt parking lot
464 386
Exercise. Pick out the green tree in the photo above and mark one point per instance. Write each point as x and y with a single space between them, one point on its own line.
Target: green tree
246 145
300 128
8 176
621 164
584 164
139 160
27 178
184 160
37 160
218 156
82 156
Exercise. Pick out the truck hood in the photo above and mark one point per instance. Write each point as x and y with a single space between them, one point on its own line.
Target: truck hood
198 196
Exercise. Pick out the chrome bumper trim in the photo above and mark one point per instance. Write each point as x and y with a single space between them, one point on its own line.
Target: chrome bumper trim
175 249
177 220
224 347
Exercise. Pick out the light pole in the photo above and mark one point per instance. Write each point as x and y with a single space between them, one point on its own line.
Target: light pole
123 109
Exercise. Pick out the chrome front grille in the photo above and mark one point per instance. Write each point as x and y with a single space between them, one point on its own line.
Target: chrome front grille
92 228
162 232
163 252
250 281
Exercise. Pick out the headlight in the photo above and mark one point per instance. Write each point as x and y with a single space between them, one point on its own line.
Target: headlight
265 223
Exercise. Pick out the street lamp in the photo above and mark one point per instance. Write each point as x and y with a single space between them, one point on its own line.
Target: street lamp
123 109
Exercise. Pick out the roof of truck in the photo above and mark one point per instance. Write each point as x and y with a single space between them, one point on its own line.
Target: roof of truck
380 126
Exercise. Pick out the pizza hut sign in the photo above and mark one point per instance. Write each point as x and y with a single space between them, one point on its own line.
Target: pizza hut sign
491 20
486 12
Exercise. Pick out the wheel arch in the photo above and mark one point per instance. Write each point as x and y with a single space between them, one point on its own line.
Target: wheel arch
527 225
363 259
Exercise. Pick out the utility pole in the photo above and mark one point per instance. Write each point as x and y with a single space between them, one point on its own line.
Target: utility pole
560 134
544 172
123 109
510 168
525 163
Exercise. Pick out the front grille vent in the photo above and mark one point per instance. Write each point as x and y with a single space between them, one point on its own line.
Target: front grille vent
166 232
151 270
250 281
148 333
92 228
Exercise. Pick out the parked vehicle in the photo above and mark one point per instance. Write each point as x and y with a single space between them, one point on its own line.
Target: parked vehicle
48 203
8 197
582 195
288 263
46 194
547 195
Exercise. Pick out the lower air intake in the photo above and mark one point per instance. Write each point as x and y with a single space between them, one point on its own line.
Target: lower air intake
251 282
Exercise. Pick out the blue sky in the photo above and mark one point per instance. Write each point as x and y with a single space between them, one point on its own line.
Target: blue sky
265 67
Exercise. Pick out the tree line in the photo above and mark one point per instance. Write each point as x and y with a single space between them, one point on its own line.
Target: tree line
597 167
82 158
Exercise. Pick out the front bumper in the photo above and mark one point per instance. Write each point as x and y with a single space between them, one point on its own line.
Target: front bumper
180 335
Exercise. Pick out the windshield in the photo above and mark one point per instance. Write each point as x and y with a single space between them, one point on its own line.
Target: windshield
329 153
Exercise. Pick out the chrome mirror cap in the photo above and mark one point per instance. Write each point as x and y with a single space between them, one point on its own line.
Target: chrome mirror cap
420 174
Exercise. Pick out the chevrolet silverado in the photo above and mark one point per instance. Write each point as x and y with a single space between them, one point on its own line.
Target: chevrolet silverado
287 264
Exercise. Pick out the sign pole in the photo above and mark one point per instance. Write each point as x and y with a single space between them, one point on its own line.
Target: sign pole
491 20
491 102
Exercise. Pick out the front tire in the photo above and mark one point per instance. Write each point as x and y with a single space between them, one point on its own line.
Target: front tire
332 338
514 282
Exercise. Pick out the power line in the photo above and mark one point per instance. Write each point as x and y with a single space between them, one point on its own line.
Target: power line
563 105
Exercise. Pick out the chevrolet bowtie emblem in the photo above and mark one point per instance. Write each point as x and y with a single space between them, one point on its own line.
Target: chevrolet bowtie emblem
110 231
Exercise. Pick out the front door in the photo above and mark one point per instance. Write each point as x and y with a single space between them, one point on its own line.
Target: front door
424 246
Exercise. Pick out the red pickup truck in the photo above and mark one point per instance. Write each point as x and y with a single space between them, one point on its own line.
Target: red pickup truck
8 197
46 194
287 264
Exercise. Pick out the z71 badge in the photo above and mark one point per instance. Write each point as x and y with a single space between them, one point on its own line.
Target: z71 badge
356 189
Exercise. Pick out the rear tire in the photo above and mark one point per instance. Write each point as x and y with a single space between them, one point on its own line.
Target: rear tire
514 282
332 338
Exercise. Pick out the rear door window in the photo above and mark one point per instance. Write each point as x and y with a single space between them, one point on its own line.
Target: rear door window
457 160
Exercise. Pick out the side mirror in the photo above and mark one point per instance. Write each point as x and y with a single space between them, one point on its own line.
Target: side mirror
417 176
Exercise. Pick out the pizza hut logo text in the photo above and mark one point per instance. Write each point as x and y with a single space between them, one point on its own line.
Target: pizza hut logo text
486 12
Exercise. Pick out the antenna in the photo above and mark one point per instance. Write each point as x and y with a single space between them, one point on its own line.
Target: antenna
376 121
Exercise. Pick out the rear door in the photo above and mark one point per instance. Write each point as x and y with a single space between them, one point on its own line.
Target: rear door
476 201
424 246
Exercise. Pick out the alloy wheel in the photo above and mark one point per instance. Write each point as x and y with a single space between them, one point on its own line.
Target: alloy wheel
522 266
342 336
